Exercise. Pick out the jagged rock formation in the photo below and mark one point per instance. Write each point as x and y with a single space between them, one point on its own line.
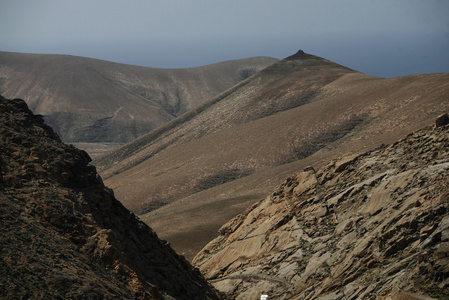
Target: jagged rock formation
369 226
65 236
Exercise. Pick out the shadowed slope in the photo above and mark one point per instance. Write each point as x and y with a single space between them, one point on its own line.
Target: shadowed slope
301 110
65 236
89 100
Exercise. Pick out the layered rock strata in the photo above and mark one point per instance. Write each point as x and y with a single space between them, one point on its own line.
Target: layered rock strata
369 226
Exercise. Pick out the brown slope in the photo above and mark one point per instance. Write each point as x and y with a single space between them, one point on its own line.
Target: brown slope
280 87
65 236
89 100
372 226
302 110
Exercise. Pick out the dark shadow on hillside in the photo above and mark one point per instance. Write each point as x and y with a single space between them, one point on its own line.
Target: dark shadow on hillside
219 178
307 148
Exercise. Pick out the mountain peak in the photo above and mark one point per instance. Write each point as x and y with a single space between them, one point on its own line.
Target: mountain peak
301 55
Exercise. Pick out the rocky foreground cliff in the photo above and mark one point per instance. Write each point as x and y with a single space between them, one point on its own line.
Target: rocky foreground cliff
368 226
65 236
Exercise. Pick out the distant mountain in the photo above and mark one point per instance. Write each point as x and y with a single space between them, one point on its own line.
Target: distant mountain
94 101
63 233
369 226
230 152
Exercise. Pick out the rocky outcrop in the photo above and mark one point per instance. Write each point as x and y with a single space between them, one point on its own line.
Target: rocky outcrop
65 236
369 226
442 120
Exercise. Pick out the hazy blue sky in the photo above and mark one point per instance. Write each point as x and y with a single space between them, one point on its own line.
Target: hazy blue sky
378 37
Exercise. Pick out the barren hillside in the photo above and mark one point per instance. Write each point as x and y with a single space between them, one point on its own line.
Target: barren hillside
63 233
368 226
99 103
231 151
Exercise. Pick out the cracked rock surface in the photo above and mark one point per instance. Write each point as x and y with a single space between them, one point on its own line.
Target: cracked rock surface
369 226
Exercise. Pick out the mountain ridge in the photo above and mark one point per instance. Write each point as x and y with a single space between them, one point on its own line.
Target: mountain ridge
281 68
292 113
96 101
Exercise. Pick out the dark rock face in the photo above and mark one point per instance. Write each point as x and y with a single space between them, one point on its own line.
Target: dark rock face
299 55
369 226
442 120
65 236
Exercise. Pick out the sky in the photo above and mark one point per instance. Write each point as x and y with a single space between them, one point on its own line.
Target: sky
385 38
